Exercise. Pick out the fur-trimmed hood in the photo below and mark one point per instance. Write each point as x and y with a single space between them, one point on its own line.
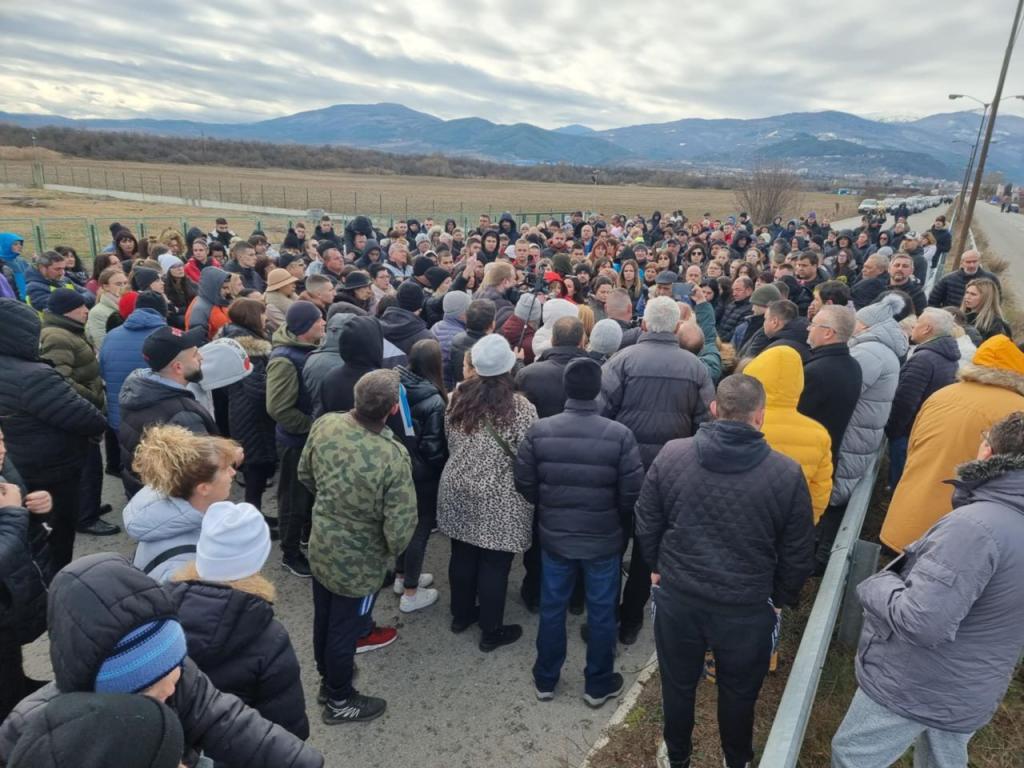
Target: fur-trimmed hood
993 377
998 479
253 346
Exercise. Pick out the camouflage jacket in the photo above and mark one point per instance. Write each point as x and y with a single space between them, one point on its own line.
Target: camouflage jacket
365 509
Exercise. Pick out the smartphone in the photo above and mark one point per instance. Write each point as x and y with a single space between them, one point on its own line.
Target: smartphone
681 291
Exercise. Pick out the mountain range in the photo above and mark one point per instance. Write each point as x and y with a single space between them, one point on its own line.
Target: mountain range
830 143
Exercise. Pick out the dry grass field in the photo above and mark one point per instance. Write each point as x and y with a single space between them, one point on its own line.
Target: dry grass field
380 196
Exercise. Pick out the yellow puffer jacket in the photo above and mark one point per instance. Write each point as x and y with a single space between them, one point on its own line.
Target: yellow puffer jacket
791 433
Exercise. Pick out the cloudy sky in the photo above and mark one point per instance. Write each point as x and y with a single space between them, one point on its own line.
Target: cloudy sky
600 63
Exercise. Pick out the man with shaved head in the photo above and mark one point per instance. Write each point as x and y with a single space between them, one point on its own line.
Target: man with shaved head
949 291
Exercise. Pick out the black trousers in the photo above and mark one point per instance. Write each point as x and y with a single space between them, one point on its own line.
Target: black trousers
91 485
741 642
636 592
64 516
112 451
479 577
294 501
410 562
256 475
338 623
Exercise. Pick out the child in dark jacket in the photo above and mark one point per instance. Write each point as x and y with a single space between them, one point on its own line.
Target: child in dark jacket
226 609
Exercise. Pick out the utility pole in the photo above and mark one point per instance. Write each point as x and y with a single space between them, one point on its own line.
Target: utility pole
965 222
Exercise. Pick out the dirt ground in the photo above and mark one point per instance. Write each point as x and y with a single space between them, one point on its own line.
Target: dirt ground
388 196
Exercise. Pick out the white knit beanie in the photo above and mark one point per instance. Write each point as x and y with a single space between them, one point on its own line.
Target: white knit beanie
234 542
169 261
492 356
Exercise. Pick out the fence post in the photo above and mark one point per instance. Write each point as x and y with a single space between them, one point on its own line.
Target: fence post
88 172
307 198
380 203
179 188
863 564
124 182
200 187
263 201
220 192
284 191
355 203
39 238
330 200
93 245
106 182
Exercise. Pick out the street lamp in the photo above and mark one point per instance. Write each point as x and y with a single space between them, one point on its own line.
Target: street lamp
974 149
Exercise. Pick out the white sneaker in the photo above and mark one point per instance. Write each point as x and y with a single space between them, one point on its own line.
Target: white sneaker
426 579
422 599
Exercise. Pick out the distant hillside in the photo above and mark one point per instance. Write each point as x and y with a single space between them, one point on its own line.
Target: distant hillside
919 147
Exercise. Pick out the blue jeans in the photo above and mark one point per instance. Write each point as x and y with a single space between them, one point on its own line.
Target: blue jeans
601 580
897 459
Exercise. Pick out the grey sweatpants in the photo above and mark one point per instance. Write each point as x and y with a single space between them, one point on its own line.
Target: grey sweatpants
872 736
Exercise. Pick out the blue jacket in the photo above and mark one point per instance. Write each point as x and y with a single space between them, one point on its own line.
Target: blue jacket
121 354
14 266
38 289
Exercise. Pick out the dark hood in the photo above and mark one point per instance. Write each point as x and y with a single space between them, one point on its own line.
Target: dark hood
21 328
361 343
193 234
211 281
93 603
998 479
399 324
730 447
561 354
143 389
945 346
794 330
332 336
417 389
221 621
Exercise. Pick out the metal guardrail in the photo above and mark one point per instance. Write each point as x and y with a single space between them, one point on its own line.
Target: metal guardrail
850 561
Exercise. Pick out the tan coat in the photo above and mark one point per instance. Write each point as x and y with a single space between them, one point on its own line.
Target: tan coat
947 433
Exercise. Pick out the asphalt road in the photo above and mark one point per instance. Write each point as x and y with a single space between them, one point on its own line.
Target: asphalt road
918 221
449 705
1005 233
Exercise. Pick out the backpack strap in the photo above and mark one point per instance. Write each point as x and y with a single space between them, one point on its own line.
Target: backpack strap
166 555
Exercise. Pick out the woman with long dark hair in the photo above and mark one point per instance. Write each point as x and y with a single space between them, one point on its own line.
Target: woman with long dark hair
100 263
248 420
424 388
478 506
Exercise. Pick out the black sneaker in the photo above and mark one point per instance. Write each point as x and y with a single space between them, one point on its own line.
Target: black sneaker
297 564
458 627
628 635
322 696
616 685
506 635
355 709
99 527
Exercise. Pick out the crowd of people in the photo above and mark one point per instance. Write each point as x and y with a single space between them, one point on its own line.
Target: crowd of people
681 405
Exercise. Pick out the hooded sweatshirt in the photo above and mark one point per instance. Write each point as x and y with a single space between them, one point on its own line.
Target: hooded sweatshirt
324 360
789 432
224 363
13 266
122 353
361 347
208 309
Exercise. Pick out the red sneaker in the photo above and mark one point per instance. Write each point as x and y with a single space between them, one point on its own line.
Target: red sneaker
380 637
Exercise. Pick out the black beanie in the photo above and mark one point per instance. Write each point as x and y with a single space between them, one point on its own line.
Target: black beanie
410 296
95 730
420 265
152 300
435 276
64 300
582 379
143 277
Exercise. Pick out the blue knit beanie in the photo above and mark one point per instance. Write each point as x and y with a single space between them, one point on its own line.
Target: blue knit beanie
142 657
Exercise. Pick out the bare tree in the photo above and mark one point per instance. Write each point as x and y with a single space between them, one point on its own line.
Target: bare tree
769 191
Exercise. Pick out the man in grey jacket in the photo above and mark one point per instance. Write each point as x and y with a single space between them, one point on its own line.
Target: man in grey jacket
944 623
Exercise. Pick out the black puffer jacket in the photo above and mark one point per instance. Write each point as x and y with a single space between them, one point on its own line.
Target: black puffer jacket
949 291
429 448
932 366
793 335
658 390
734 312
247 400
145 399
583 474
867 290
733 529
832 380
235 640
46 424
23 608
97 600
541 381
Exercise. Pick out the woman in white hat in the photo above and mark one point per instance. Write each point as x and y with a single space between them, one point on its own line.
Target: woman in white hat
478 506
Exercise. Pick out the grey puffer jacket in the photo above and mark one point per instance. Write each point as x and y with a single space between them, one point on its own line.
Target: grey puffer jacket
878 350
658 390
944 625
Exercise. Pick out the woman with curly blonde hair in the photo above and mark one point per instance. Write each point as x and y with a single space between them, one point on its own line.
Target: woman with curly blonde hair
173 239
184 474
